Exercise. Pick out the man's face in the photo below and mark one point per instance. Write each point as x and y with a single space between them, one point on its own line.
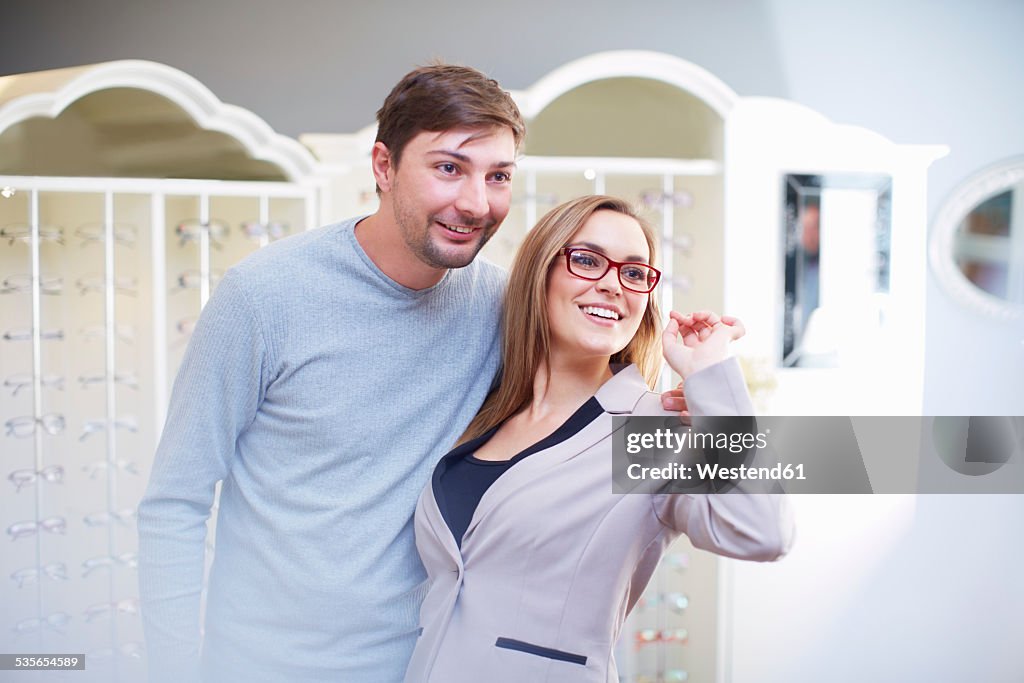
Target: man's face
451 191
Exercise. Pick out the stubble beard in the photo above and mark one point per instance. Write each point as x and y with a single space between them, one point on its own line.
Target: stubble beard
417 237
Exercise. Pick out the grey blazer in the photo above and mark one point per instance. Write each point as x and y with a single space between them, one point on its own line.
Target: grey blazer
553 561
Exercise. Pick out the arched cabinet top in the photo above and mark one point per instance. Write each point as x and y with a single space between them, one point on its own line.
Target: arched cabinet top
627 64
172 99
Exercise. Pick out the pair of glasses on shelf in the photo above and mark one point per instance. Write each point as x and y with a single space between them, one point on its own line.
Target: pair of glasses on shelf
21 283
53 525
58 621
57 571
192 229
93 564
25 426
125 234
127 423
98 283
95 469
53 474
24 380
648 636
105 518
109 609
193 279
675 602
128 379
122 331
22 232
25 334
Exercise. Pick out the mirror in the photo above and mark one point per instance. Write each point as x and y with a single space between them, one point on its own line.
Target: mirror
836 248
978 241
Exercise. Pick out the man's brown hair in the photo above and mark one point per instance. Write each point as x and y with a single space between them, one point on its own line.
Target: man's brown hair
440 97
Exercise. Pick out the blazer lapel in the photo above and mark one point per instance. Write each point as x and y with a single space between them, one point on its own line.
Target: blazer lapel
438 504
617 396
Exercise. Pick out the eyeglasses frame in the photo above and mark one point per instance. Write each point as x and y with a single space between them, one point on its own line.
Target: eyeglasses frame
612 263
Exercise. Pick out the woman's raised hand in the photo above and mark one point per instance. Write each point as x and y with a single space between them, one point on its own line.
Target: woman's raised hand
698 340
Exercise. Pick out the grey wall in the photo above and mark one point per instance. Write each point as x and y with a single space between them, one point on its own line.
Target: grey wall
920 71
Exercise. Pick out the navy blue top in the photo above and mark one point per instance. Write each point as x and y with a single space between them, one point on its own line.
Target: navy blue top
461 480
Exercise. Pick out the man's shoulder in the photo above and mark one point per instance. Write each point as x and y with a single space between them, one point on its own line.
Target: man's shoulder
295 258
484 276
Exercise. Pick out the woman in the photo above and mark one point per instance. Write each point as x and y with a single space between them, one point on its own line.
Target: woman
533 562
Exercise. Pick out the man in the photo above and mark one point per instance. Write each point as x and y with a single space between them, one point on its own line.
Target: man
326 375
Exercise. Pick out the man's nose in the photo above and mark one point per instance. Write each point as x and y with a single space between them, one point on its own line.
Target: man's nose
472 199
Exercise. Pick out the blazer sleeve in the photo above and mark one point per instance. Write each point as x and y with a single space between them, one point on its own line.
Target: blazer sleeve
738 524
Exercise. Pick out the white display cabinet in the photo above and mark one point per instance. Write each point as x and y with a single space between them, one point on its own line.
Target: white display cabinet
101 281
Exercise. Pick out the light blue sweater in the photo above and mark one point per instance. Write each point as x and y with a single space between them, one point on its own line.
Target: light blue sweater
322 393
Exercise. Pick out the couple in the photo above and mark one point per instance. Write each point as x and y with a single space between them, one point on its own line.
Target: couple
331 370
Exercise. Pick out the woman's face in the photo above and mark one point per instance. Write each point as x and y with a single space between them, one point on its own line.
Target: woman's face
597 317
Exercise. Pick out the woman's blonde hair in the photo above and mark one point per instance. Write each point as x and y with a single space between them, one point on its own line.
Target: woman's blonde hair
525 330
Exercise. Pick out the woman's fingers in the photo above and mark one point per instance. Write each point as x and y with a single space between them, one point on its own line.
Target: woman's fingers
736 326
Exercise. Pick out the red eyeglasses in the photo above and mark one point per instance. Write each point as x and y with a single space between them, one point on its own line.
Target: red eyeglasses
590 265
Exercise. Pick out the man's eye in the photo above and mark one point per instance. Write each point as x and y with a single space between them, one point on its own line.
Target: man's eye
502 177
447 168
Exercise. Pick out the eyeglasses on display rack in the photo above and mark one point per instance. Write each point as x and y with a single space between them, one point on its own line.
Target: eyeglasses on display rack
126 560
25 334
675 602
128 379
192 279
273 230
91 233
94 469
21 232
25 426
653 199
127 423
24 380
191 229
58 571
53 525
104 518
122 331
53 474
57 621
106 609
22 283
647 636
98 283
591 265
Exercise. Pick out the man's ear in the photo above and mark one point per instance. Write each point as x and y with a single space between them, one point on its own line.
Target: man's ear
383 166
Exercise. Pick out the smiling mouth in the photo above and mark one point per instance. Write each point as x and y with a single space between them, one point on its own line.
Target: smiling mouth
602 313
457 229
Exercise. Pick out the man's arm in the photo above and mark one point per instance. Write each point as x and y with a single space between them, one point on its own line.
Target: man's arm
216 394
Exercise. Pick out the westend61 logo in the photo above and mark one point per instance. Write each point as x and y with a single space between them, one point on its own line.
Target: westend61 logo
977 446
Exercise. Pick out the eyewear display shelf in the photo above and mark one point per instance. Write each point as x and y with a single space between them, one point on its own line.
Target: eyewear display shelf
101 281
